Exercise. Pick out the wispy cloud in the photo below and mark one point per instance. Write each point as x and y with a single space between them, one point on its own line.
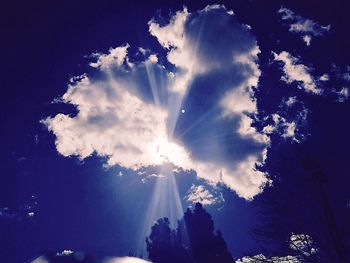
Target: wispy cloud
294 71
306 28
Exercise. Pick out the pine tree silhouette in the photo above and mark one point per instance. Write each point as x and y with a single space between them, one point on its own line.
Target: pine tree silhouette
193 241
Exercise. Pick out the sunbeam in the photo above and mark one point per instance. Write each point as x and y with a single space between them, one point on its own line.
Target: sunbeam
152 82
165 202
197 122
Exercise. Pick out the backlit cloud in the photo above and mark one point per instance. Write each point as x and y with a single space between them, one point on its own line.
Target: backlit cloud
197 115
200 194
126 260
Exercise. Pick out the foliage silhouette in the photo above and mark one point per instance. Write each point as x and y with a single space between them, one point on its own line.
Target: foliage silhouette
307 203
193 241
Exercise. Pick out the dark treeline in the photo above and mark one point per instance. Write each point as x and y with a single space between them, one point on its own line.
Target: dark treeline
193 241
306 213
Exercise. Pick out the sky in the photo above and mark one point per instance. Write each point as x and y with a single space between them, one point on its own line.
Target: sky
116 114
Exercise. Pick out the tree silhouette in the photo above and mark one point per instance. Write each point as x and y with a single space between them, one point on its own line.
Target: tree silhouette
194 240
160 243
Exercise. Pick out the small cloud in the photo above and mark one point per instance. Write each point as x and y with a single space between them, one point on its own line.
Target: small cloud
199 194
306 28
152 59
324 77
115 57
289 131
65 252
291 101
269 129
31 214
157 175
307 40
289 127
340 76
294 71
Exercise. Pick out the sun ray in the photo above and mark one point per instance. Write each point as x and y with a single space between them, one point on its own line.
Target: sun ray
153 83
165 202
198 121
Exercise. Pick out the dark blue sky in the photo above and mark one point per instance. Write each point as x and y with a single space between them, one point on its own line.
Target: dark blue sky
80 205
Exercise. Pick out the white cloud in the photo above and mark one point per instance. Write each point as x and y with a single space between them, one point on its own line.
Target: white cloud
114 122
115 57
307 28
296 72
324 77
171 35
291 101
30 214
307 40
199 194
291 127
65 252
126 260
268 129
289 131
130 111
198 51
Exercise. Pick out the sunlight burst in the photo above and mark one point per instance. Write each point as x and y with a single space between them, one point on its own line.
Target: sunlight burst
162 151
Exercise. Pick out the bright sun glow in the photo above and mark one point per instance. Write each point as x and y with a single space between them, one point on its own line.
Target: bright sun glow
163 151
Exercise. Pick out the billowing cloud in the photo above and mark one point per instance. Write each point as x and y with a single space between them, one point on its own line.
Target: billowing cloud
200 194
306 28
114 122
294 71
197 115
